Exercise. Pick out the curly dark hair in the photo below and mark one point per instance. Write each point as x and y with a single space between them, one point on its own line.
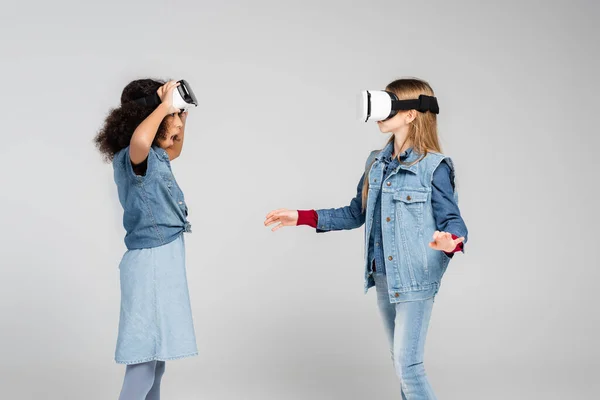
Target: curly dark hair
122 121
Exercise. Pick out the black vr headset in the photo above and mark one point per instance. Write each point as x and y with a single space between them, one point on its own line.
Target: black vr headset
183 97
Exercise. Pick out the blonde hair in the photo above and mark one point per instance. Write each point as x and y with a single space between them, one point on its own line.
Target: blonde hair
422 131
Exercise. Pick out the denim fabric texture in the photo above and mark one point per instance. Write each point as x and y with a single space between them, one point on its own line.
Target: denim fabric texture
154 208
408 219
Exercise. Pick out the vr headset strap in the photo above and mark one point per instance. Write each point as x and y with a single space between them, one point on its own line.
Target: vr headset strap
150 100
422 104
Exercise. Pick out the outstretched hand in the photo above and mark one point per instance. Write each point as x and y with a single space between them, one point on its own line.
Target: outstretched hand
283 217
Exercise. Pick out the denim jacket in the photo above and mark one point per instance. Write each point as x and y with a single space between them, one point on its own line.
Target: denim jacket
154 209
413 270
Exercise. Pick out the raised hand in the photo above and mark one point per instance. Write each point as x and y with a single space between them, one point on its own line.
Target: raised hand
165 92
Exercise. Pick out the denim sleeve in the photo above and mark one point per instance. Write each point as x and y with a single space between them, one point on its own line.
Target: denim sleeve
445 209
343 218
122 160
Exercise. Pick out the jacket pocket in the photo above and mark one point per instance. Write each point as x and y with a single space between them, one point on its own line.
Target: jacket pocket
411 197
409 207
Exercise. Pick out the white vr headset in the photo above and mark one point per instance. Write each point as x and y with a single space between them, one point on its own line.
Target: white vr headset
183 97
380 105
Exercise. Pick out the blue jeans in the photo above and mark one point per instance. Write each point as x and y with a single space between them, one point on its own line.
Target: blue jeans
406 326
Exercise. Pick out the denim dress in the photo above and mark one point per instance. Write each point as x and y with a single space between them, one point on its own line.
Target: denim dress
155 320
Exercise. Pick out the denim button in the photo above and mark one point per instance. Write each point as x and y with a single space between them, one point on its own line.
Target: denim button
388 219
377 244
408 198
389 183
396 294
390 258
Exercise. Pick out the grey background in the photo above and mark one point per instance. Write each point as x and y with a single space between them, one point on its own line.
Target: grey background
282 316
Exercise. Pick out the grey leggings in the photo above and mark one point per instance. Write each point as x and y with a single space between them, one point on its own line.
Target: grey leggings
142 381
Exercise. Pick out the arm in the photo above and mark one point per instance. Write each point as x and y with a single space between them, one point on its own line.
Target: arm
311 217
445 209
144 134
343 218
349 217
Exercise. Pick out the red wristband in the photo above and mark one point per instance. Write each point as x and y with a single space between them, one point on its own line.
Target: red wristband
308 217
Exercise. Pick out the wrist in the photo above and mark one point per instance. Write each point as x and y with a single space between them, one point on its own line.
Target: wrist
162 109
307 217
456 248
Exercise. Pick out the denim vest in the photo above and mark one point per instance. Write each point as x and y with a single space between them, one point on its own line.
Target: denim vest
413 270
154 209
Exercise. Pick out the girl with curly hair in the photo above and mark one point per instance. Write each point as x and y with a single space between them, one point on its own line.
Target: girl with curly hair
155 323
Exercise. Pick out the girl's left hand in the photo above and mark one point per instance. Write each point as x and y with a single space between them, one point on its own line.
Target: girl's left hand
443 241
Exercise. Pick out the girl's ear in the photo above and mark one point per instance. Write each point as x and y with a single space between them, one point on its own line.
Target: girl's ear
410 116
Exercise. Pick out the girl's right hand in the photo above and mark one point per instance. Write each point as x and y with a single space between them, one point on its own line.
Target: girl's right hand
282 216
165 92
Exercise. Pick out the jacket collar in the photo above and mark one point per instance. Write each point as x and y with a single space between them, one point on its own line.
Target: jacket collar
408 157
